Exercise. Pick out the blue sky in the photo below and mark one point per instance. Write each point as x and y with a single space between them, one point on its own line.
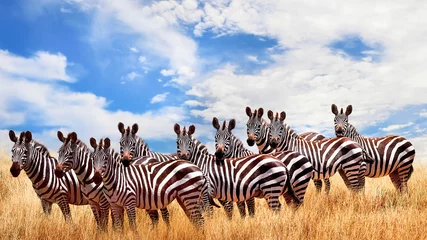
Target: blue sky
85 65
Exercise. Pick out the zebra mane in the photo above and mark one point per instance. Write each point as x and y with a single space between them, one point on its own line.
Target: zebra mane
42 149
83 145
291 131
140 141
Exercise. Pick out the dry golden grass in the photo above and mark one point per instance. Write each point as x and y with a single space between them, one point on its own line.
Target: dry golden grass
379 214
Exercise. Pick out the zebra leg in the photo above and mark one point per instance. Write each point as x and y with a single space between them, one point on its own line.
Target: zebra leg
242 208
117 214
228 207
104 206
352 176
65 207
273 202
318 185
165 216
96 213
344 177
192 209
47 207
130 210
154 216
207 207
327 185
251 206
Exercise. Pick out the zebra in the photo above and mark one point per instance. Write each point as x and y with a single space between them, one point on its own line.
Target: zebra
132 146
327 156
393 155
75 155
237 179
148 186
39 166
258 132
229 146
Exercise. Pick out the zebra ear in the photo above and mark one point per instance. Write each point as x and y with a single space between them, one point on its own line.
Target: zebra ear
231 124
21 137
282 116
248 112
334 109
215 123
12 136
60 136
270 115
107 143
93 143
73 137
28 136
121 127
134 128
191 130
260 112
177 128
349 110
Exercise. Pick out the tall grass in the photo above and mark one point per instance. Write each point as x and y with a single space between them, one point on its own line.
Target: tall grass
378 214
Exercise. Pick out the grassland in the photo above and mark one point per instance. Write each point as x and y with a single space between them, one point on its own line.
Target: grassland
378 214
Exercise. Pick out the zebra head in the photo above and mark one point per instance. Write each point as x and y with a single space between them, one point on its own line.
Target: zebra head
277 128
223 138
19 152
255 126
184 141
99 157
66 160
341 120
129 142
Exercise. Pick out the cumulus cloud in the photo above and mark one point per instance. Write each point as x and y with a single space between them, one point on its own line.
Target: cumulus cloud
252 58
159 98
395 127
142 59
56 107
167 72
134 49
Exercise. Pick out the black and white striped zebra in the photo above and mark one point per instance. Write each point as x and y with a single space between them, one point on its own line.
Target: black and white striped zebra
132 146
258 132
238 179
327 156
151 186
75 156
35 160
393 155
299 167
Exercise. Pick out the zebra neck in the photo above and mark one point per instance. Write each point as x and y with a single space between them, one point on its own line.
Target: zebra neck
201 157
40 167
263 143
142 148
291 140
352 133
237 149
114 173
84 169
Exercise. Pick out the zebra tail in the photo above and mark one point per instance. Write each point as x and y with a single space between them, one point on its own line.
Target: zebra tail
212 202
411 170
291 190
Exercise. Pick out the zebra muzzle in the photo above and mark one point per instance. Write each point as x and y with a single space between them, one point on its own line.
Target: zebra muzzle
97 177
274 142
15 169
251 140
59 171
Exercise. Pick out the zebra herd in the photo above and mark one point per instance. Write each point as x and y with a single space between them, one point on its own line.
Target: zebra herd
136 177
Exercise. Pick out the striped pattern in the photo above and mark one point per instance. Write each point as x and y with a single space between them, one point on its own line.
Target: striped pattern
393 155
239 179
150 187
75 155
39 166
132 146
299 167
258 131
327 156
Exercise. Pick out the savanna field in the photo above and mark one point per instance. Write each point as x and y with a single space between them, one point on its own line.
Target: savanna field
379 214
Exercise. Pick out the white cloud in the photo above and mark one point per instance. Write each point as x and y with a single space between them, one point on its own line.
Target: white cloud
53 105
167 72
142 59
134 49
41 66
396 127
252 58
193 103
423 113
159 98
65 10
132 75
